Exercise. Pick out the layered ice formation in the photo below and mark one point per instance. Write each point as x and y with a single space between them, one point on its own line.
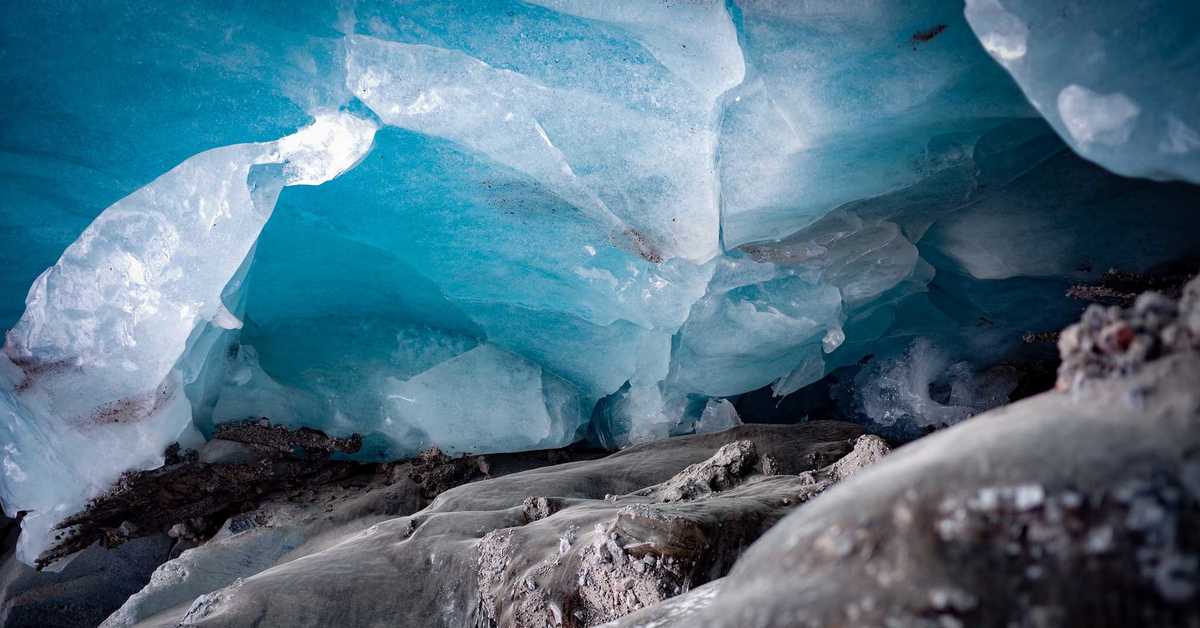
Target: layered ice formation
497 226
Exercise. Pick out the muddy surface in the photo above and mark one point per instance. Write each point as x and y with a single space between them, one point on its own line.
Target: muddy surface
253 462
193 494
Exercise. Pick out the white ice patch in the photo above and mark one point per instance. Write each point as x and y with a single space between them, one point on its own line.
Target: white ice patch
1099 118
833 339
597 274
1002 34
900 387
226 319
1181 138
11 468
331 145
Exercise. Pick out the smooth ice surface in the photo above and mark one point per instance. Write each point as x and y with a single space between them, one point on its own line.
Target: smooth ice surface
1117 80
718 415
507 225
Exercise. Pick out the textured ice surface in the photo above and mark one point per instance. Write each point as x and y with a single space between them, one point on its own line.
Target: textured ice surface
843 103
533 220
902 387
1117 80
94 364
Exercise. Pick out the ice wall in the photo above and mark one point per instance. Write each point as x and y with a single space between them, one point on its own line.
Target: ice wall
629 143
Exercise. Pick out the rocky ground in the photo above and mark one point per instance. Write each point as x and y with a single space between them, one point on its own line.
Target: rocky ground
521 541
584 541
251 475
1049 512
1076 507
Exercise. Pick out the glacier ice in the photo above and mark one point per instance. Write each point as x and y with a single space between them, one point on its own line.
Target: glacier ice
842 105
513 224
1117 80
600 152
94 363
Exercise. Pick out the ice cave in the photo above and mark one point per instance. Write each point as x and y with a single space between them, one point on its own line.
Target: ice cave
582 312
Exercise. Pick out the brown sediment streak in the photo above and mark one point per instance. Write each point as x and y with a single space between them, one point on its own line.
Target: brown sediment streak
131 409
32 368
642 246
760 253
927 34
124 410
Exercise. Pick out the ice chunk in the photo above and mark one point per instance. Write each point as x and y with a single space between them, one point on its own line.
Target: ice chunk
809 371
484 400
718 415
832 340
129 292
743 337
105 109
831 114
341 390
1116 80
331 145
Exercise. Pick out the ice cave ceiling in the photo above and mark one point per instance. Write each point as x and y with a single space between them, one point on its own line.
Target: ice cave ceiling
503 225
